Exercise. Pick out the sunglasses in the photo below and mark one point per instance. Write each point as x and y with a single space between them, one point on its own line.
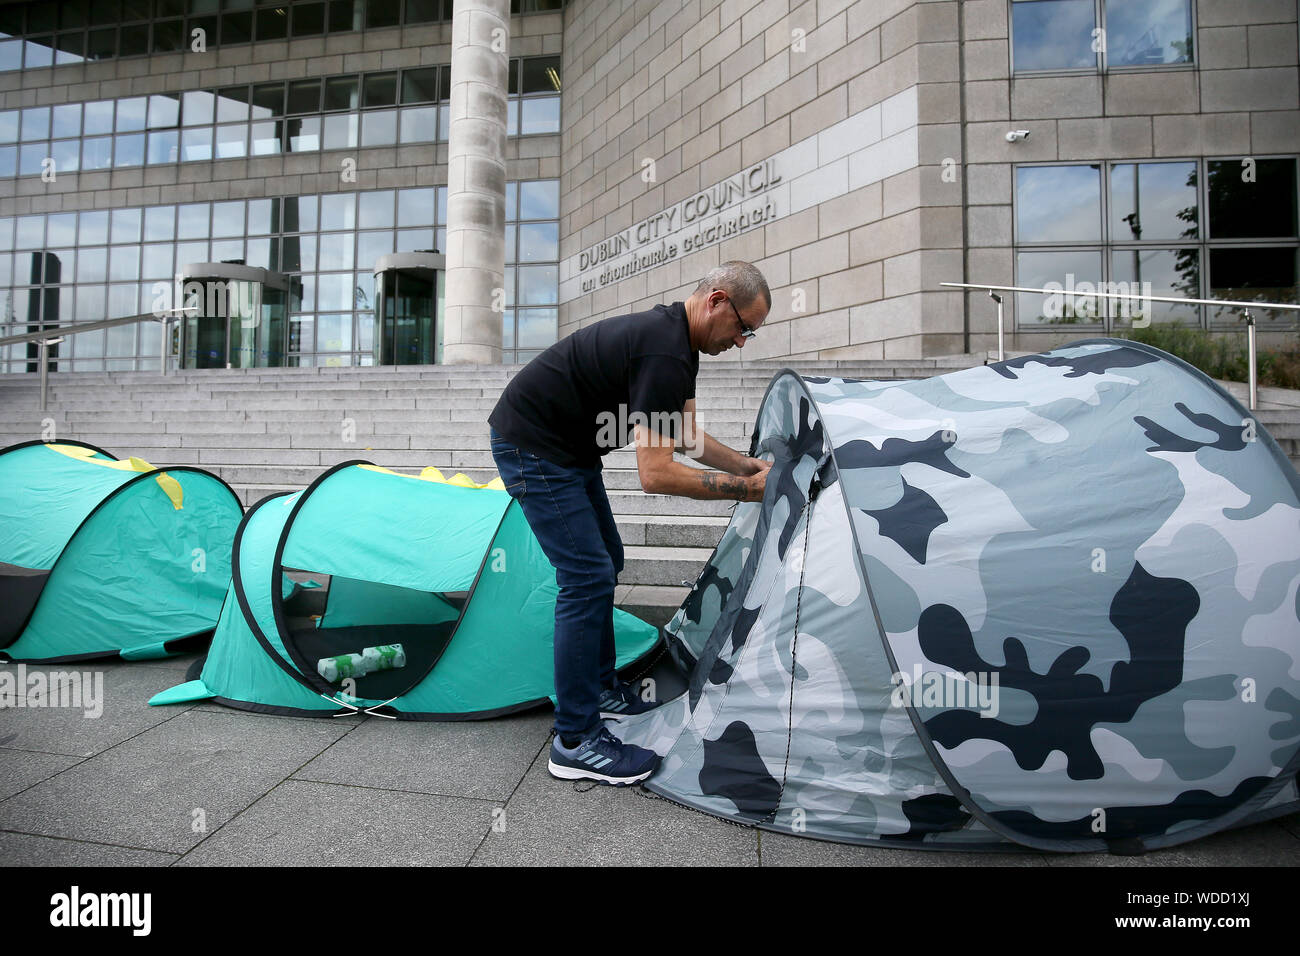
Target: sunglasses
745 330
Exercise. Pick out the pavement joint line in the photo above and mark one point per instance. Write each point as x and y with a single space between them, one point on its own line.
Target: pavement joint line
235 816
415 793
67 839
57 773
92 756
52 753
506 803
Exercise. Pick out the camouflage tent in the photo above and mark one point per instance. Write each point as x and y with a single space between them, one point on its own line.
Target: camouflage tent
1050 602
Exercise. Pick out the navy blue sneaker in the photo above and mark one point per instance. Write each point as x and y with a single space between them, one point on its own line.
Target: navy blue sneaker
602 757
623 701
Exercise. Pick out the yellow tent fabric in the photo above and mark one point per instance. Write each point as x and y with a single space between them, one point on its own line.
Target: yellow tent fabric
170 486
433 474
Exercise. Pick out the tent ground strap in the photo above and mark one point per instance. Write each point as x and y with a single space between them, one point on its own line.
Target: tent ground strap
348 711
371 710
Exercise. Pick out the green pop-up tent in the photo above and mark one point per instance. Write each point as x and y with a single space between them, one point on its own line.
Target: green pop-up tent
440 584
101 557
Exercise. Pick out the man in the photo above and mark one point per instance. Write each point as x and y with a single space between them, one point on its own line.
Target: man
631 376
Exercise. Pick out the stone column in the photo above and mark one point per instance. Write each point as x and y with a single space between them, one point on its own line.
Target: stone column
476 182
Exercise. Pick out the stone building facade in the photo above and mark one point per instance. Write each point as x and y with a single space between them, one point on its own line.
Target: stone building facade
856 150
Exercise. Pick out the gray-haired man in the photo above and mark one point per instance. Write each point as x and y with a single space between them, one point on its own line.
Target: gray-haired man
631 377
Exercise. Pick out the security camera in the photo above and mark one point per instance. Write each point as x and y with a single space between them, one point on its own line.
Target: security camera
1015 135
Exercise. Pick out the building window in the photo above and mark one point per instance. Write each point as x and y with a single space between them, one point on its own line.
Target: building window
42 34
1216 228
69 267
533 105
1061 35
338 112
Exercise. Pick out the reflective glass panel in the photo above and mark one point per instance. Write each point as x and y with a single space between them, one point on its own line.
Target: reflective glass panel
1170 272
1148 32
415 207
537 285
378 128
97 152
1153 201
340 131
228 218
338 211
376 209
132 113
196 144
125 225
1058 203
99 117
336 250
539 242
1063 270
539 115
197 108
1053 34
304 134
164 146
92 228
1252 198
128 150
159 223
66 120
539 199
419 124
192 221
232 141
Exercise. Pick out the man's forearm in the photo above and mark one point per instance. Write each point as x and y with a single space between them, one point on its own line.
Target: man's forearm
678 479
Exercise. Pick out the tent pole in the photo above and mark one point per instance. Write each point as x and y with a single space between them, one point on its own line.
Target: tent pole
1250 348
1002 354
45 374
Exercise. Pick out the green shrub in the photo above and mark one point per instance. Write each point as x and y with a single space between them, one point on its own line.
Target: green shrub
1223 356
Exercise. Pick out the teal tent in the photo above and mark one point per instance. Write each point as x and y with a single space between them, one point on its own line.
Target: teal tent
101 557
441 586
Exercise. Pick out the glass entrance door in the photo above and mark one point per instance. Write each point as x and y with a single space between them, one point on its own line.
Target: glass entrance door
409 306
237 323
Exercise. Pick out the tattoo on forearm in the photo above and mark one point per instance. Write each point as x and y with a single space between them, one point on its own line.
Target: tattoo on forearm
726 485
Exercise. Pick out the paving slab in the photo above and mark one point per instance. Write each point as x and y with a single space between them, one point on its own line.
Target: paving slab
24 849
1291 824
481 758
145 792
779 849
1263 844
305 823
551 822
118 690
20 769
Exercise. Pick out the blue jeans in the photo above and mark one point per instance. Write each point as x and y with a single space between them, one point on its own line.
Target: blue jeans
569 512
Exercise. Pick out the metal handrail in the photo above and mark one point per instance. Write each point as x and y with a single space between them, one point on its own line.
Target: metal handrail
54 335
1252 384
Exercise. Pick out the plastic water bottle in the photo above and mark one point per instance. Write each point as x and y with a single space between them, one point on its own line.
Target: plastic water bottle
384 657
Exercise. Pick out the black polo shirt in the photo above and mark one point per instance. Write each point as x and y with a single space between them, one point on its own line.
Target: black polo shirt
583 396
